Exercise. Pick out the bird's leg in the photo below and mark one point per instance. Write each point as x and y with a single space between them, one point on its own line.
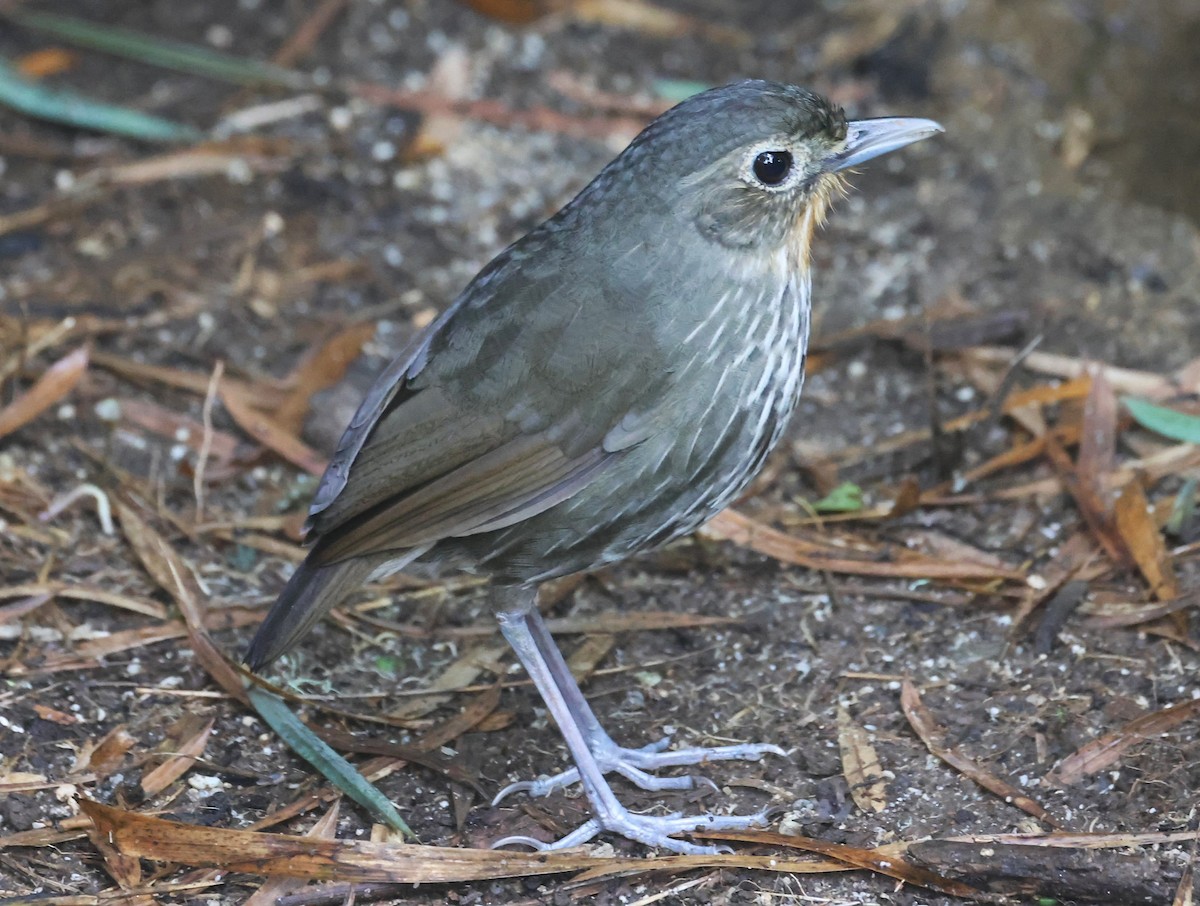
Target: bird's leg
609 814
632 764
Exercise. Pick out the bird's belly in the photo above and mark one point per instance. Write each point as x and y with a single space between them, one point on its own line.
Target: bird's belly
729 413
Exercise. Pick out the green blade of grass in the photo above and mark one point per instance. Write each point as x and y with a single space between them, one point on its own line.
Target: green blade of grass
70 108
145 48
332 766
847 497
1168 422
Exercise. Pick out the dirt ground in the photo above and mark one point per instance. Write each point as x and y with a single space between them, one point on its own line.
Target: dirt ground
1062 206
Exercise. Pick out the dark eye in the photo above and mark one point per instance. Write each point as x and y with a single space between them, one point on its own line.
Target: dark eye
772 167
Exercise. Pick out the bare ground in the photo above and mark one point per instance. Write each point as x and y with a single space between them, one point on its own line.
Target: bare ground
1061 204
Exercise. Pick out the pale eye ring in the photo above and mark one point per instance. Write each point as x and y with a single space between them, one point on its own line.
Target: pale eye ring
772 167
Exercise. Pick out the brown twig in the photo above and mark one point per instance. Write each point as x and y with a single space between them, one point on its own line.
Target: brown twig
210 396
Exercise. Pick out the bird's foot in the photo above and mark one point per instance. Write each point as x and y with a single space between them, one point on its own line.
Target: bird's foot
651 830
633 765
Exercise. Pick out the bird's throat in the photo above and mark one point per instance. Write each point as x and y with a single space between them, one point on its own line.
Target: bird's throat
810 218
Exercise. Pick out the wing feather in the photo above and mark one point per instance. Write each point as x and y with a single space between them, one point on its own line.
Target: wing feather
519 479
484 421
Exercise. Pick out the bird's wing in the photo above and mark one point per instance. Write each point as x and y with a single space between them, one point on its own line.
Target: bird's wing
389 388
516 480
486 421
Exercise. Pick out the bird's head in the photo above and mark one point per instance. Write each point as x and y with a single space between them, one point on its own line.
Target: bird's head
753 165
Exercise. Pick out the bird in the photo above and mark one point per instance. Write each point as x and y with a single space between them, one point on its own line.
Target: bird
606 384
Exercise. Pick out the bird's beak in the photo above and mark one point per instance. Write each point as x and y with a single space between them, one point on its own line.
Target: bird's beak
866 139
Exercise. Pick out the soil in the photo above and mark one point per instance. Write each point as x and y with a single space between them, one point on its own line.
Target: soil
1063 201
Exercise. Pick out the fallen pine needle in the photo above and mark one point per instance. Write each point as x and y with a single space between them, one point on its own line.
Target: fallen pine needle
1103 751
933 736
52 387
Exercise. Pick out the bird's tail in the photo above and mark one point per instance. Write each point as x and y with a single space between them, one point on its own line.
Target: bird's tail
309 594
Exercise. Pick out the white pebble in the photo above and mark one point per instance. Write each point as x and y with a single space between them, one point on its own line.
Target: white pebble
205 783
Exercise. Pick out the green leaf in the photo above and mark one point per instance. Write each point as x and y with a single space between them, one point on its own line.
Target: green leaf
73 109
332 766
387 665
145 48
847 497
676 90
648 678
1161 420
1183 510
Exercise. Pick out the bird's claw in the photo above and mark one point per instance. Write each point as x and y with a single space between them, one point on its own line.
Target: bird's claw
520 840
634 764
657 831
520 786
